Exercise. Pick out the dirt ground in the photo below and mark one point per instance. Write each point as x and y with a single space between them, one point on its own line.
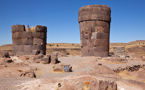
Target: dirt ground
130 75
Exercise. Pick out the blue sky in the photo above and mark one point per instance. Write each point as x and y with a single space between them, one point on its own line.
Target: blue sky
61 18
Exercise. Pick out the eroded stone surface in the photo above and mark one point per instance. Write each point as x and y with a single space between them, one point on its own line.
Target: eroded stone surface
30 41
94 22
119 51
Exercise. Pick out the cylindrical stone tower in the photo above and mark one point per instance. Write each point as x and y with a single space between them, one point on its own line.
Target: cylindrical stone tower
94 22
30 41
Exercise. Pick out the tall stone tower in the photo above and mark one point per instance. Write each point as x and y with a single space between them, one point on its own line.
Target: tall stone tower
29 41
94 23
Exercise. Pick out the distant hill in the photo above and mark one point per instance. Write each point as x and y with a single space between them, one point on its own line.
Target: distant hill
6 47
141 42
136 47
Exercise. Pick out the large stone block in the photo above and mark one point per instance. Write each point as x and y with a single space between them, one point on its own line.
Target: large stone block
40 28
38 41
28 49
17 41
27 41
18 28
17 35
37 47
54 58
41 35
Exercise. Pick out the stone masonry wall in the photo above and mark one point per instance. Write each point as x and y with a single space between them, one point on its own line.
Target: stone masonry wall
29 41
119 51
94 23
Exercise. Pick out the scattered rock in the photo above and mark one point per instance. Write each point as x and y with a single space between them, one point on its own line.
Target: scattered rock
100 64
59 85
128 67
62 68
134 68
119 51
54 58
46 59
36 52
28 73
107 85
40 56
8 60
4 61
4 54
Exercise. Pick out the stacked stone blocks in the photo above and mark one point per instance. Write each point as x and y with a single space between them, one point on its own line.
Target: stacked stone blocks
94 22
29 41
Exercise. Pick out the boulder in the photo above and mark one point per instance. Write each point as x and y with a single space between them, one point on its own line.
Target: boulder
36 52
62 68
107 85
40 56
4 54
46 59
54 58
27 73
8 60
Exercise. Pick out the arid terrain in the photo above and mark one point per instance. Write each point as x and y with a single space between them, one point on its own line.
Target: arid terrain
134 47
31 72
71 45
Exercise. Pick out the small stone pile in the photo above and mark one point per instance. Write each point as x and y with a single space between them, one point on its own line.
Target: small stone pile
119 51
5 58
46 59
27 73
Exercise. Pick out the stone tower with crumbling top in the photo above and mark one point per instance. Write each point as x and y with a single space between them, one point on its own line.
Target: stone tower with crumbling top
94 22
29 41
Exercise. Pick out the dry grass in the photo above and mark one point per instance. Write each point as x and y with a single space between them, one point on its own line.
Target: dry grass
6 47
63 45
74 48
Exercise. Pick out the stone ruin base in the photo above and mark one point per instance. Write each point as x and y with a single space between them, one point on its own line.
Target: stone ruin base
29 41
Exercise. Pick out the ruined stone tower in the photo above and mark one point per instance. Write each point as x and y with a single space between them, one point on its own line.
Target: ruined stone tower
94 22
29 41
